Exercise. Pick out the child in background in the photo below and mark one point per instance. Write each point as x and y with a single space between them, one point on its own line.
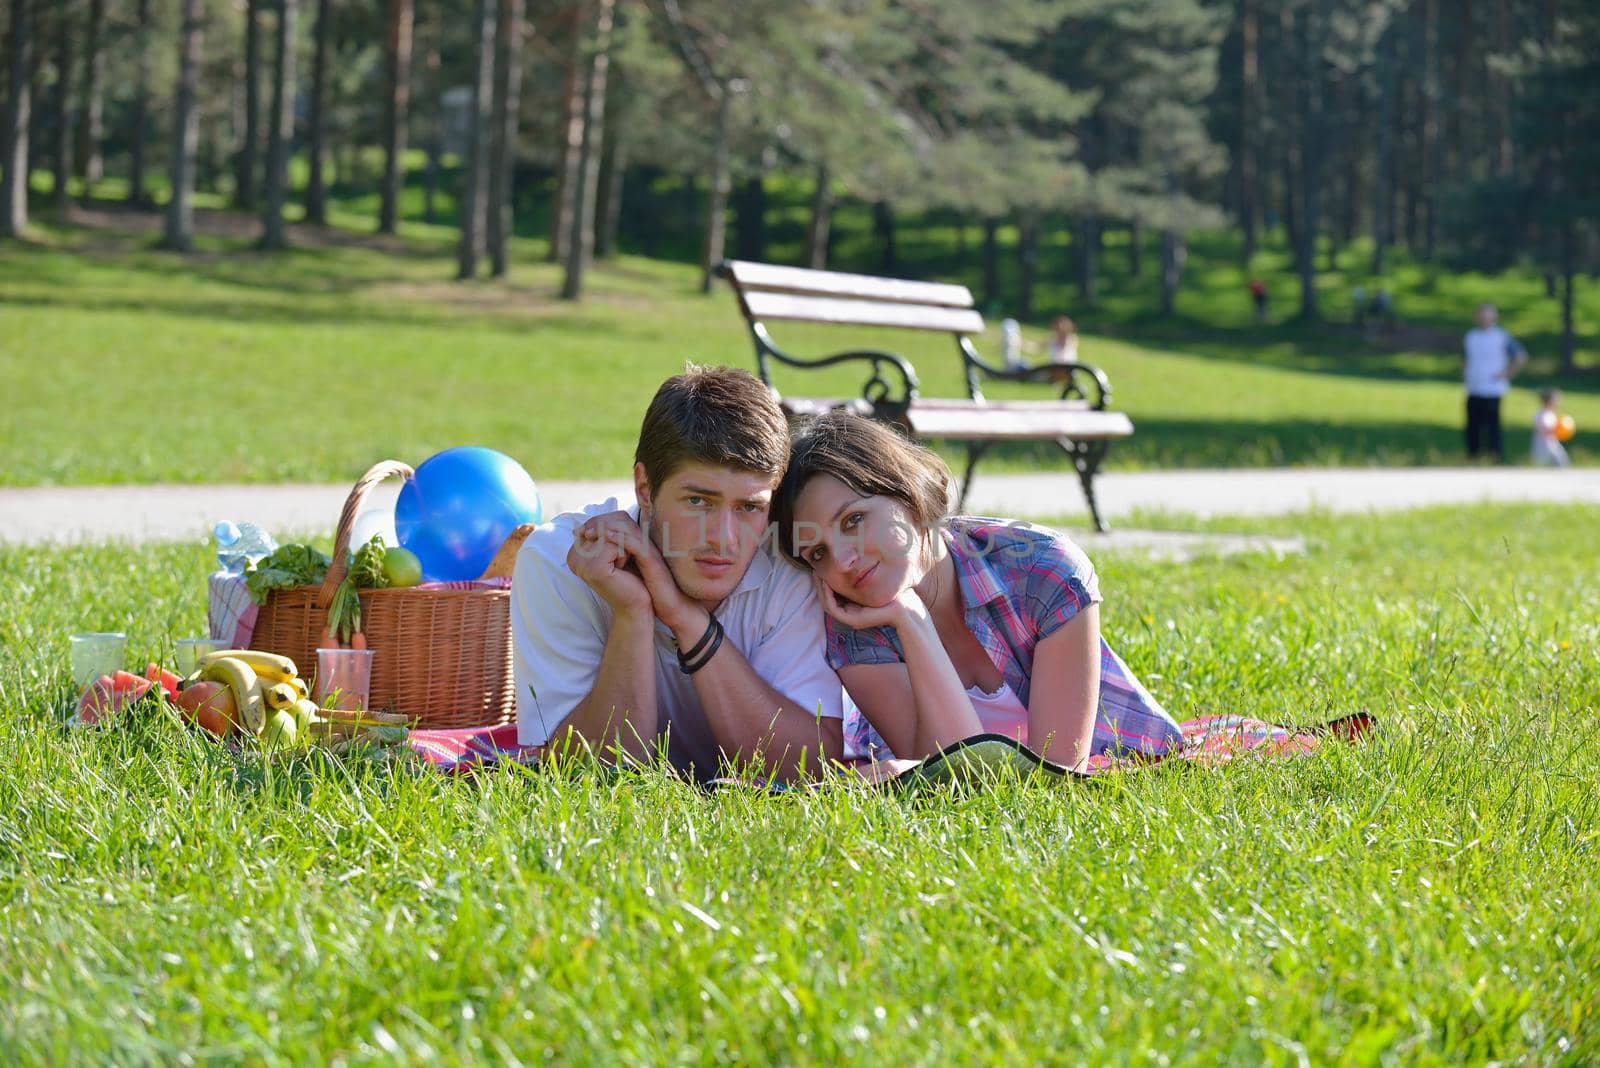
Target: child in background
1546 449
1011 343
1064 341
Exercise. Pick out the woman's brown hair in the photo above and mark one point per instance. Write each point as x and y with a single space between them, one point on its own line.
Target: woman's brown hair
870 458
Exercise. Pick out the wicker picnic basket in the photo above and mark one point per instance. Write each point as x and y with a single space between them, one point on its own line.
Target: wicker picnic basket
441 657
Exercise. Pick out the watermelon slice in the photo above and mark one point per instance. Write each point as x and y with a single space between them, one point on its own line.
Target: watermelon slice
169 682
108 695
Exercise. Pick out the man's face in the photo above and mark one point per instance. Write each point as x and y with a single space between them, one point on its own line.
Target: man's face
1486 317
708 522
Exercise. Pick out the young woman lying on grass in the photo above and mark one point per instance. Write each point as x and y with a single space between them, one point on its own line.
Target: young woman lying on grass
944 627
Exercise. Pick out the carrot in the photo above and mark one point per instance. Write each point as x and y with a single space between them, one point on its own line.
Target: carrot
358 640
328 640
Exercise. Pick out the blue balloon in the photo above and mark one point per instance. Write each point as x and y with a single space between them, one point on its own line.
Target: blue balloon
460 508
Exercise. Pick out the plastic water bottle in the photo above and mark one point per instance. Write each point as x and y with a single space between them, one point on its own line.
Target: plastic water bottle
241 545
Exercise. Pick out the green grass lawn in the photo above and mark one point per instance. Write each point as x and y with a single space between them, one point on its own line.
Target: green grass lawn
1425 898
124 364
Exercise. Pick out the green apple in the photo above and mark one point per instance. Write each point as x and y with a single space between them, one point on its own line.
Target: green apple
281 731
401 567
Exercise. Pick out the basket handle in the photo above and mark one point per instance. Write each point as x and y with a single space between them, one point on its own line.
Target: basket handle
379 471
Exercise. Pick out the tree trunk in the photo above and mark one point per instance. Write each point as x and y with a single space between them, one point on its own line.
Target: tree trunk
1286 83
1173 254
1504 91
244 177
503 156
1087 240
430 171
749 218
816 252
1249 64
91 126
613 171
475 182
1383 185
571 135
594 65
717 194
280 134
991 262
1430 128
883 230
61 108
1569 270
1291 202
14 187
1136 247
1350 187
186 131
396 108
141 107
316 182
1028 261
1308 42
37 148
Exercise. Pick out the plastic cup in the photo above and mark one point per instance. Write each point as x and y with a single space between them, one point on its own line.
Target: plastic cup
190 650
97 654
346 676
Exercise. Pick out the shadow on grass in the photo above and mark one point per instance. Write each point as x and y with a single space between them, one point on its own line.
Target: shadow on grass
1198 443
115 226
419 315
1340 351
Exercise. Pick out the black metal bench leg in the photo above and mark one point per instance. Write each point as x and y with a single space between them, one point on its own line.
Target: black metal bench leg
975 451
1086 457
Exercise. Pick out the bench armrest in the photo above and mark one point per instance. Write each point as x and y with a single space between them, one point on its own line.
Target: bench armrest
1078 381
889 388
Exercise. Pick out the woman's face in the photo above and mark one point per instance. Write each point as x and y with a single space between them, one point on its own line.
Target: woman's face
863 548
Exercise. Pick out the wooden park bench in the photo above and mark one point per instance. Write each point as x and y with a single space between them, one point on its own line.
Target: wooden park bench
1077 420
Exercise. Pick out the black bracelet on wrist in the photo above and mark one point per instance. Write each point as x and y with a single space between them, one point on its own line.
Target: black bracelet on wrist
705 639
688 665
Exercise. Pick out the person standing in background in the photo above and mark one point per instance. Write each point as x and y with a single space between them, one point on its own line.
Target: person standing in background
1491 358
1258 296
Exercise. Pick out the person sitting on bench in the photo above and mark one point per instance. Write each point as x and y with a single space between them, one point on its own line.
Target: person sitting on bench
675 619
944 628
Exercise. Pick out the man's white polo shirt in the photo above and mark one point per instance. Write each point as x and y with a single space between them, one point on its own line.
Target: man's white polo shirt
559 627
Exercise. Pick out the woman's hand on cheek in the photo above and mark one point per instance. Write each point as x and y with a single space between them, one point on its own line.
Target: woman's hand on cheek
906 608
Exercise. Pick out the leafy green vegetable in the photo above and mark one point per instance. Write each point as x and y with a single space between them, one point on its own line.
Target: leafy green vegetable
287 567
366 565
365 572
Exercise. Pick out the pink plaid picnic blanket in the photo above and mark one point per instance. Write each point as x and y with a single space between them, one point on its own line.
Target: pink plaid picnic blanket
1211 741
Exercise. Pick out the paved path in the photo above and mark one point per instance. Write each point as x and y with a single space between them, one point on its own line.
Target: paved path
167 513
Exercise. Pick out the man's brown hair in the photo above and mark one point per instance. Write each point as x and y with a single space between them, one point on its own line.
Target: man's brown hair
718 416
872 460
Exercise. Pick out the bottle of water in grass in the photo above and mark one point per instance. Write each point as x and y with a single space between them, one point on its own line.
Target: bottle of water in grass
241 545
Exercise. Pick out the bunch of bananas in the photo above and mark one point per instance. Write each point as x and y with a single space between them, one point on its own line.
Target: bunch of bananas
275 705
273 701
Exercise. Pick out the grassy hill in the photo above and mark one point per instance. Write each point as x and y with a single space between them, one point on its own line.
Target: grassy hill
130 365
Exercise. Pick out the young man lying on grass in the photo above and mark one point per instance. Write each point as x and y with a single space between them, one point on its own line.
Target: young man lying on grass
674 620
